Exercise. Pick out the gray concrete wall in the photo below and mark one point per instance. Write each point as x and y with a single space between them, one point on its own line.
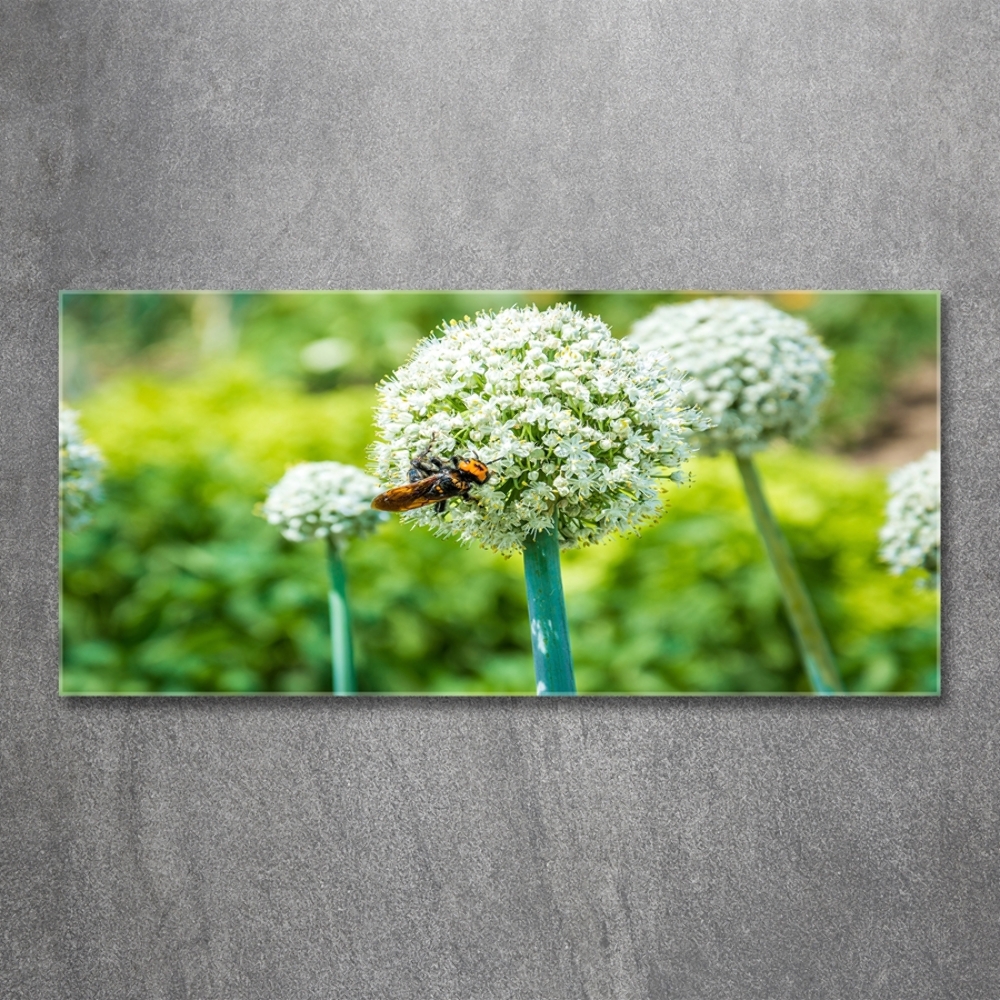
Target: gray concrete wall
274 849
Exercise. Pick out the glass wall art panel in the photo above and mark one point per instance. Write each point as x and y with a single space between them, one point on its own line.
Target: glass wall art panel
510 493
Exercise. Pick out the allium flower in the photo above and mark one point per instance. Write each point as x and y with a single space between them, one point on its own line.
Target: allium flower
80 468
911 535
756 372
323 500
568 418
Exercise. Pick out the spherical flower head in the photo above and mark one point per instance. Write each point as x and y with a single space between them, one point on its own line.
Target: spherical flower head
911 535
570 421
756 372
323 500
80 467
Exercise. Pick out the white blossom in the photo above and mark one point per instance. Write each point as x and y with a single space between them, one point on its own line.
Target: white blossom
323 500
569 420
756 372
80 467
911 535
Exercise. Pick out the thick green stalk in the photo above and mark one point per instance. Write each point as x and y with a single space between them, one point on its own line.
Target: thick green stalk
547 614
342 654
819 662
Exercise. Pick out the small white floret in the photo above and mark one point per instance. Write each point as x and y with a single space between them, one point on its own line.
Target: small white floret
80 467
323 499
911 535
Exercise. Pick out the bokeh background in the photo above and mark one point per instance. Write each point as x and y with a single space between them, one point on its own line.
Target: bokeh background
200 401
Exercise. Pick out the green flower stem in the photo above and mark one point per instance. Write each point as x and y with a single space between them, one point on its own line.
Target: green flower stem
820 664
547 613
342 654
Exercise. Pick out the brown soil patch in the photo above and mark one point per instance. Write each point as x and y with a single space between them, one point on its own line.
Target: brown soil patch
911 424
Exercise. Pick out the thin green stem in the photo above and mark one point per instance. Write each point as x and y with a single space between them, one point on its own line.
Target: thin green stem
547 614
342 654
819 662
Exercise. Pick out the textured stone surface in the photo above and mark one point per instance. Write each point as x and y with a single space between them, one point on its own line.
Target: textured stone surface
223 849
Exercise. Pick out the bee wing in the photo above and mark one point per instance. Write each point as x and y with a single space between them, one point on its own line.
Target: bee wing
433 489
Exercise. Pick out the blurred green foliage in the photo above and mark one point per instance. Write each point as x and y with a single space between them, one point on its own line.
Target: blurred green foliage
176 586
877 340
877 337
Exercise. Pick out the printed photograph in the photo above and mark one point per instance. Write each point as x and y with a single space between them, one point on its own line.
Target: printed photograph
500 493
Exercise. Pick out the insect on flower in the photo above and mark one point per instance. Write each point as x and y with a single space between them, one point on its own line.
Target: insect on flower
432 481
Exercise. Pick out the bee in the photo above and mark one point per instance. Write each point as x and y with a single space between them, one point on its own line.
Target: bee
433 481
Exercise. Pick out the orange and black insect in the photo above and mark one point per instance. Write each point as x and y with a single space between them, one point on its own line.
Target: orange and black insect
433 481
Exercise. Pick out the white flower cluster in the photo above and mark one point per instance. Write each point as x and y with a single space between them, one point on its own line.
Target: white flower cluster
323 500
80 467
911 535
568 419
756 372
